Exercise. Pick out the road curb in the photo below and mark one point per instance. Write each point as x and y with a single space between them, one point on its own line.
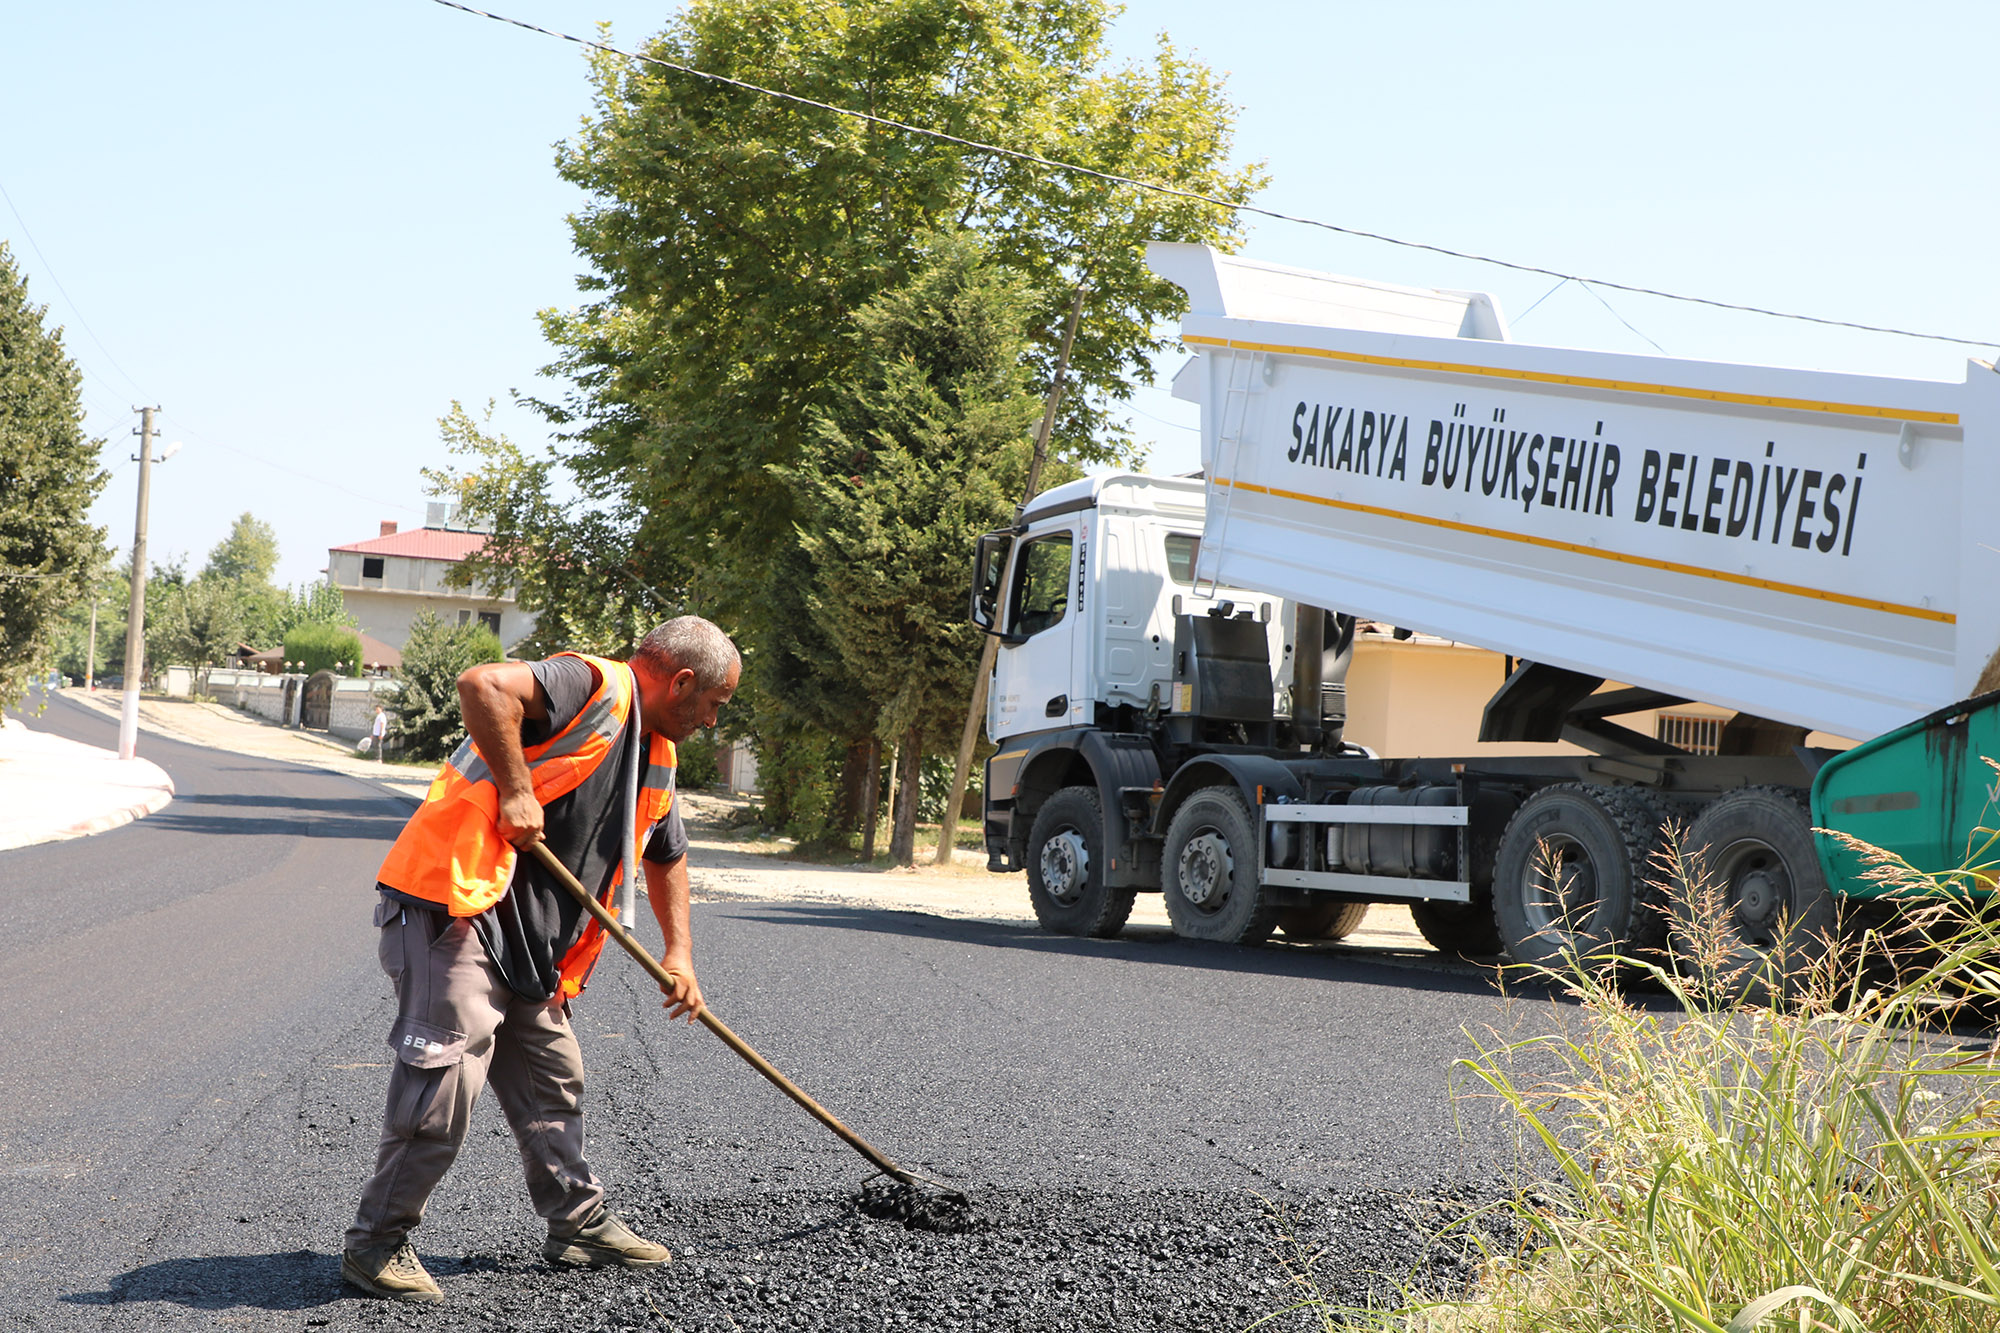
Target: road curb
153 802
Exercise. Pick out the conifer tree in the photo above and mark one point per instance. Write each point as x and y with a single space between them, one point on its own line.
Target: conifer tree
49 476
923 447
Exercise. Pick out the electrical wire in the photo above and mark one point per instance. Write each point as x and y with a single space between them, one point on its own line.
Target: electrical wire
1620 318
1538 300
1196 196
49 269
77 310
184 429
1177 425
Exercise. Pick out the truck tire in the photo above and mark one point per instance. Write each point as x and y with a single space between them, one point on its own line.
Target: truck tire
1579 875
1465 930
1756 918
1066 864
1208 871
1319 920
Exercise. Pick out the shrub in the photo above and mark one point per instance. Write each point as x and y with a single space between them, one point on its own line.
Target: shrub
1827 1164
428 721
934 789
699 765
799 772
320 645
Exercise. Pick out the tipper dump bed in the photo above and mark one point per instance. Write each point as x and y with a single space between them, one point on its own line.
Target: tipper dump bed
1809 547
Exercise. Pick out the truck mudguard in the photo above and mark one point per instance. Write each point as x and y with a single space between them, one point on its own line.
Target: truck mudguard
1109 761
1247 771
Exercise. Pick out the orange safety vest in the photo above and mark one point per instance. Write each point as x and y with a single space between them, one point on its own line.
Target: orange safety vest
451 852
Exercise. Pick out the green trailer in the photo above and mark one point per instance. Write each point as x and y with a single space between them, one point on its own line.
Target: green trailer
1928 792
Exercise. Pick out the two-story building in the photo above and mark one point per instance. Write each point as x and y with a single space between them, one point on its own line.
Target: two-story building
389 579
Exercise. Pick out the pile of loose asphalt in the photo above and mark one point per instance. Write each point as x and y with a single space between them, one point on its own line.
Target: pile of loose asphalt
1031 1260
1054 1261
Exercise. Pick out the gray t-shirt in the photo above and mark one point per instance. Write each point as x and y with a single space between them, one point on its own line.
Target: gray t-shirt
567 682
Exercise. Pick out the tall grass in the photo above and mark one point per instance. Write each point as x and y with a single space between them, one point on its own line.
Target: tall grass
1832 1163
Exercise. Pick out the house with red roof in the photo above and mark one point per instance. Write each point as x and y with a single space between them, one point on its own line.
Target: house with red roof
389 579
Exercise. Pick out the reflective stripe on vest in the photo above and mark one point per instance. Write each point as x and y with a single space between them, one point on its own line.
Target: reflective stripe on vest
451 851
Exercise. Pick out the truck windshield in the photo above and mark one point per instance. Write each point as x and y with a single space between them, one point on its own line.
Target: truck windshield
1041 585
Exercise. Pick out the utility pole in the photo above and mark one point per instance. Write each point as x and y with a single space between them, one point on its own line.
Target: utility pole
968 740
135 621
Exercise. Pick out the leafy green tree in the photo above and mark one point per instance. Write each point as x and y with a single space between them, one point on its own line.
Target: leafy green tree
193 622
923 447
313 604
573 564
111 588
249 554
732 239
428 722
50 553
243 562
323 647
733 235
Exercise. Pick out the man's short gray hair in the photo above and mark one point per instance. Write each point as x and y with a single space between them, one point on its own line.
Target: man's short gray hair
689 643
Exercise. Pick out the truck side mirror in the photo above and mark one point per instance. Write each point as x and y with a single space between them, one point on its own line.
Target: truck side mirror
989 563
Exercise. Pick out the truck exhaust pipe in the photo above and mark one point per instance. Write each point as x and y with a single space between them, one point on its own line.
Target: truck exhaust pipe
1308 673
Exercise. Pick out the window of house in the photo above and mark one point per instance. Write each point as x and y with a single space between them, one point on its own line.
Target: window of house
1182 548
1041 584
464 617
1695 734
491 620
371 566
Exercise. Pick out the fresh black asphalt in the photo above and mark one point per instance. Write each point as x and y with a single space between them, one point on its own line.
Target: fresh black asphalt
1157 1134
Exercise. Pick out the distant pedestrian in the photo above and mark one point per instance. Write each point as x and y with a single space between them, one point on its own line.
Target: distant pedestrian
380 734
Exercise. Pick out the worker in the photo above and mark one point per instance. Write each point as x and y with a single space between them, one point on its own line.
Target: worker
486 949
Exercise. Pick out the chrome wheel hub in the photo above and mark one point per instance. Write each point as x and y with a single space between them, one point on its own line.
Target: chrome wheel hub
1065 865
1205 869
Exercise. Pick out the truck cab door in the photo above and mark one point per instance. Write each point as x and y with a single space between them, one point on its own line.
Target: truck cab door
1035 665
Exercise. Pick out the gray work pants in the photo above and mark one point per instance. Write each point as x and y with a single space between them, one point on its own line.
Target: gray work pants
458 1026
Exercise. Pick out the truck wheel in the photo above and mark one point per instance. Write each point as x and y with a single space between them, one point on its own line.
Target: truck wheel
1578 876
1208 871
1321 920
1066 865
1463 929
1755 918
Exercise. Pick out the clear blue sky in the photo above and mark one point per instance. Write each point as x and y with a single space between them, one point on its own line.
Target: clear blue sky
304 230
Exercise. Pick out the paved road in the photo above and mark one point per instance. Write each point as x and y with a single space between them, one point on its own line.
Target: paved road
192 1068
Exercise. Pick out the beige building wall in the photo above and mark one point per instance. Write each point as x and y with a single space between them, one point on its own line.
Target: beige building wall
1423 697
386 606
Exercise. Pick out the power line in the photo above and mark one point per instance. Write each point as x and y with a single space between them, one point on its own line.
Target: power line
1538 301
1196 196
185 429
76 309
1177 425
1620 318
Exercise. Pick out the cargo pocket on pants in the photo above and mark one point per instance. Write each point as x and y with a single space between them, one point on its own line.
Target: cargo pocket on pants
422 1045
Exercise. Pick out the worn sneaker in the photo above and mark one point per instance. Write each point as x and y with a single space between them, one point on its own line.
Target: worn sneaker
392 1272
602 1242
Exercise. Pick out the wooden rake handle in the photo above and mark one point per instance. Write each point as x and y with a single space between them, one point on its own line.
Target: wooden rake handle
541 852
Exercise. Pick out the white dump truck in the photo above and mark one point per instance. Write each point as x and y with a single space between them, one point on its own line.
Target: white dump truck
1809 549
